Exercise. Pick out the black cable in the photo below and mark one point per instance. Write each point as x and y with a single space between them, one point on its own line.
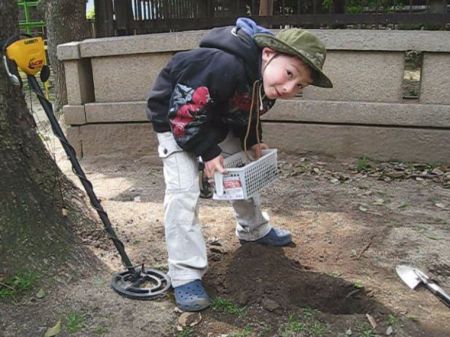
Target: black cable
58 177
70 151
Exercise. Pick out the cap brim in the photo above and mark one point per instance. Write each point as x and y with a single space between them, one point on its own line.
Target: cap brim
267 40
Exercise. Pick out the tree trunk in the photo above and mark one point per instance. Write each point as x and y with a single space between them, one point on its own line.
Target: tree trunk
438 6
338 6
104 25
35 235
66 22
124 17
266 8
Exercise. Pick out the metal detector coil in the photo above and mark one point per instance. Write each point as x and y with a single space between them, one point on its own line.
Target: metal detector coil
144 284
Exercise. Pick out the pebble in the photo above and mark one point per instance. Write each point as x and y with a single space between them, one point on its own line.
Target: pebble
437 172
269 304
389 331
334 181
188 319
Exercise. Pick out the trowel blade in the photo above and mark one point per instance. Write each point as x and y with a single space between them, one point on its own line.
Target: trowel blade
408 275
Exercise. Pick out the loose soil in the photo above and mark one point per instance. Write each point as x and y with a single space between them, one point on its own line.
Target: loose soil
350 229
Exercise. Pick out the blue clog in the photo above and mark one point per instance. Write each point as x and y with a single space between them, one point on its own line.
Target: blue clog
276 237
192 296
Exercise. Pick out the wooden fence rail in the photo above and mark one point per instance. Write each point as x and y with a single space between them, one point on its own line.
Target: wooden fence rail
129 17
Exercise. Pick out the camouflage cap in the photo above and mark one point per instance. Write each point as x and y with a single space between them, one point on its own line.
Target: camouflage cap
302 44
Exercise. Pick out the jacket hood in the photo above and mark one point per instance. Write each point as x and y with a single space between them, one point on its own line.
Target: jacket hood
235 40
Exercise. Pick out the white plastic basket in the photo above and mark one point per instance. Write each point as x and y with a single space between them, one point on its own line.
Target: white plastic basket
243 179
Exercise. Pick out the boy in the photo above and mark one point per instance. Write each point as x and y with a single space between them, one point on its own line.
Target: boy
206 103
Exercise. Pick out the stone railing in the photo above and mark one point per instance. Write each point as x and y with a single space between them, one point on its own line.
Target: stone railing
365 114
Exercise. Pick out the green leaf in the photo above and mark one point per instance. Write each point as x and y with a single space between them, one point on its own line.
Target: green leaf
53 331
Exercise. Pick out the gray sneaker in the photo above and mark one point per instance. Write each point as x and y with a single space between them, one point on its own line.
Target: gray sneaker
276 237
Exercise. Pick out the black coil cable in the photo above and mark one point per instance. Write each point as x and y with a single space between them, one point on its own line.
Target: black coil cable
77 169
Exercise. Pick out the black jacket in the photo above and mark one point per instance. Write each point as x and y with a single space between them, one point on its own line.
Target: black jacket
204 93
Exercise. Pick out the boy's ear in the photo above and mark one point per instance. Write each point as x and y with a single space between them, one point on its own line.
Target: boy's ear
267 53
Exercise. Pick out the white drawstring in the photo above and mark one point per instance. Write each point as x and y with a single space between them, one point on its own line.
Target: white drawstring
256 95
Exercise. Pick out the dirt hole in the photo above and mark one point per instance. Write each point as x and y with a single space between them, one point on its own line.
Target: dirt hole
258 274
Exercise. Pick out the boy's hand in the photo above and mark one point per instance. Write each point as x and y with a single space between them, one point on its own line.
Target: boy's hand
257 149
213 165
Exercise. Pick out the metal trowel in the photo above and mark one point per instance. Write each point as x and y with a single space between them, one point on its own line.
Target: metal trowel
413 277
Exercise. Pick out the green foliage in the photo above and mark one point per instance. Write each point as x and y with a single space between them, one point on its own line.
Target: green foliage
317 328
90 14
246 332
367 333
392 320
354 7
307 325
186 332
358 285
364 330
357 6
75 321
17 285
293 327
327 4
224 305
362 164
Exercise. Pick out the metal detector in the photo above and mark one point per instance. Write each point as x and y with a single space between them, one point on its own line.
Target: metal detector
28 54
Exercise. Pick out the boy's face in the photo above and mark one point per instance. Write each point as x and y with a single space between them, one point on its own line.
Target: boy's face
283 76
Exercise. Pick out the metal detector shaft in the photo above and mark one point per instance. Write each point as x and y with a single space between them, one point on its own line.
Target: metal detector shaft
70 151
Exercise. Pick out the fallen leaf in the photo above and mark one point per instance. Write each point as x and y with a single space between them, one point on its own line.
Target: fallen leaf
53 331
372 321
189 319
363 209
378 202
41 293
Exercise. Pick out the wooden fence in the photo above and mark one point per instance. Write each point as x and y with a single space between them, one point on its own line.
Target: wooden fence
130 17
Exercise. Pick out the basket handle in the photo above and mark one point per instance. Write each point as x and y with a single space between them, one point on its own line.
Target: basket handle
218 183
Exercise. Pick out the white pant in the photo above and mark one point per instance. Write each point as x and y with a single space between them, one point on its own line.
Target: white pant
185 243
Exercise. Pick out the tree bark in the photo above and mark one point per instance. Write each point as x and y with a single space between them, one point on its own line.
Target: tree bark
266 8
66 22
124 17
103 18
438 6
35 235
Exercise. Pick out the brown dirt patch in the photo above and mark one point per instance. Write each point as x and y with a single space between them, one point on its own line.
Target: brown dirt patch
350 230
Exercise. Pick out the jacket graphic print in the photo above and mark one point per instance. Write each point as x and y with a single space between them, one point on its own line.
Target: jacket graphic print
205 93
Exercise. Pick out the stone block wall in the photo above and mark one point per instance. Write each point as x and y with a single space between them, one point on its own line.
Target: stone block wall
365 113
